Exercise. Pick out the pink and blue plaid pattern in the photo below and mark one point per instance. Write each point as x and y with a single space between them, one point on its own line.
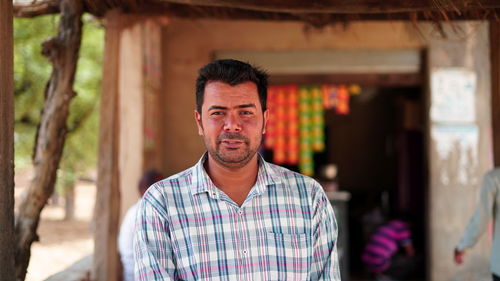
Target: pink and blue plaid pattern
188 229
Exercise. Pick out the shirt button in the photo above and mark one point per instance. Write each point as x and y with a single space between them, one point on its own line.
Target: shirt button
244 252
240 212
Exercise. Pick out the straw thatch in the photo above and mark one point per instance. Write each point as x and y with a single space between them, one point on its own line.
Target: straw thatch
316 13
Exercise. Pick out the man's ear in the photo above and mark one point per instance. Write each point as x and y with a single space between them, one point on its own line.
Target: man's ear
197 117
266 117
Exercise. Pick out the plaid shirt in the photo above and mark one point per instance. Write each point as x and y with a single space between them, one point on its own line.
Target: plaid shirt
188 229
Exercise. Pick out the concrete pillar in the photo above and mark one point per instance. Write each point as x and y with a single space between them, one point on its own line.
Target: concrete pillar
460 148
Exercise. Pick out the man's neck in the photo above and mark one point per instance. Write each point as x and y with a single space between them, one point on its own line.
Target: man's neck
235 182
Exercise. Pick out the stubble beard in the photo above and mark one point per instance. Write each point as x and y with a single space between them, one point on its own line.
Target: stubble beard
229 158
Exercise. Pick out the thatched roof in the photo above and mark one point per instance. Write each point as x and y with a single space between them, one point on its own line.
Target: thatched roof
316 12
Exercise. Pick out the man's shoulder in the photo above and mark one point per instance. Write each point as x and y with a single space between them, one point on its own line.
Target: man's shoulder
281 172
491 179
289 177
493 176
161 195
173 184
182 176
494 173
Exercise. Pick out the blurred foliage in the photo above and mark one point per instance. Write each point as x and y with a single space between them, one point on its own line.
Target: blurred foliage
31 73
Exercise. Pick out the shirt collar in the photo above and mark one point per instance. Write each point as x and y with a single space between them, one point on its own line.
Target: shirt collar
201 182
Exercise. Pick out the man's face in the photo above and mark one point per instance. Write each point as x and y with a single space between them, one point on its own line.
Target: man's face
231 122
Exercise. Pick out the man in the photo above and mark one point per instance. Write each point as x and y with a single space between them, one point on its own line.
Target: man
234 216
487 208
127 229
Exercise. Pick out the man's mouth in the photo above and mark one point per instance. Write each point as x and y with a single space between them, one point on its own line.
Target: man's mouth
229 143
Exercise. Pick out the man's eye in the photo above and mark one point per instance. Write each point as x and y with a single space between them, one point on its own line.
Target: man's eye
245 112
217 113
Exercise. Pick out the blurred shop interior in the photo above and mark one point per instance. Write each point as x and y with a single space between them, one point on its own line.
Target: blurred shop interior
365 144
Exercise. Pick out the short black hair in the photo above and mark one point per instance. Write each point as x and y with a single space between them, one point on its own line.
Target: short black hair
149 178
232 72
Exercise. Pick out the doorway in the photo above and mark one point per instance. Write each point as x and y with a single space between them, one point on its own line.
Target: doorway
379 151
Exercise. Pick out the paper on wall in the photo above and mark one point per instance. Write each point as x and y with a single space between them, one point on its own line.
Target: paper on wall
453 95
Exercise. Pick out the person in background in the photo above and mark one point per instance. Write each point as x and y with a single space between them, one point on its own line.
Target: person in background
127 229
487 209
383 244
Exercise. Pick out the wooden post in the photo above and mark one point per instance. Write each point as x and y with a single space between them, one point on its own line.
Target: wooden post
152 73
495 88
7 272
131 112
107 208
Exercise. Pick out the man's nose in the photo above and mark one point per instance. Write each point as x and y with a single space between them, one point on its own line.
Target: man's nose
232 123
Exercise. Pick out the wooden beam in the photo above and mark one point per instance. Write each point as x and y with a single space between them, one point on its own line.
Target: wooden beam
317 19
101 7
107 207
7 272
319 13
495 88
38 8
344 6
330 61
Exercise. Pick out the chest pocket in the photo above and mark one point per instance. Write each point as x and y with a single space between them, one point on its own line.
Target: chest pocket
289 256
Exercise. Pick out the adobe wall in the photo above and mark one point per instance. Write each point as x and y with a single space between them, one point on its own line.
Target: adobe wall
188 45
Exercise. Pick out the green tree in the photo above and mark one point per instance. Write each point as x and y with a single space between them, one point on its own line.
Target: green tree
31 72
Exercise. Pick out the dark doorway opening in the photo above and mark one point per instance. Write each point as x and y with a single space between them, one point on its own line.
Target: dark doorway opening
379 151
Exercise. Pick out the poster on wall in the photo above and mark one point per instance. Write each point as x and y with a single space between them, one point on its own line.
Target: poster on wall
453 95
457 145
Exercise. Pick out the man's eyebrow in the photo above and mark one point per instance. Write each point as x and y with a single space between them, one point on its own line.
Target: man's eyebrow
218 107
246 105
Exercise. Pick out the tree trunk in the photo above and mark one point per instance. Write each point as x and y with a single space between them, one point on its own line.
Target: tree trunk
6 144
54 198
62 51
69 200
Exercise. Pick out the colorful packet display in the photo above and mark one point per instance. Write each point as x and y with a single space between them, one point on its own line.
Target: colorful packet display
317 119
292 125
306 163
296 125
342 100
269 138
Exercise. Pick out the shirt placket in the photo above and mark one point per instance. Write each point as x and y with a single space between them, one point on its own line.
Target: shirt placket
243 251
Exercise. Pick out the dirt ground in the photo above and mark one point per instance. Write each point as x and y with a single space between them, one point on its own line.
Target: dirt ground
61 242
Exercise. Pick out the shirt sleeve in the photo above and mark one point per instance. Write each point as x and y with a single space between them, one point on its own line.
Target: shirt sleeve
482 215
126 242
325 259
152 244
403 233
